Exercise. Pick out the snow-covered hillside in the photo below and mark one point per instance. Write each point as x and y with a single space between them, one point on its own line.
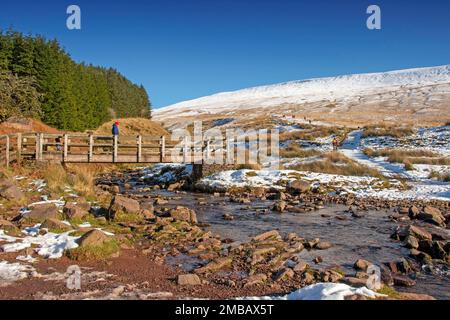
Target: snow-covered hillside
412 87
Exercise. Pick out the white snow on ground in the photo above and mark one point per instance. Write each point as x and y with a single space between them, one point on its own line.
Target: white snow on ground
164 173
323 291
10 272
359 186
421 186
306 91
49 245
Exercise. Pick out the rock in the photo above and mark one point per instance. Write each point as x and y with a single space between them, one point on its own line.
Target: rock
228 217
298 187
323 245
301 267
362 264
189 280
123 204
41 212
148 214
432 215
55 225
255 279
215 265
147 205
279 206
174 186
355 282
284 274
403 210
308 278
9 227
183 214
413 212
269 235
318 260
114 189
160 201
11 192
419 233
416 296
93 238
411 242
74 210
403 281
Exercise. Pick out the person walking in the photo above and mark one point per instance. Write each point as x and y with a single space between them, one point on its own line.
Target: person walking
335 144
115 128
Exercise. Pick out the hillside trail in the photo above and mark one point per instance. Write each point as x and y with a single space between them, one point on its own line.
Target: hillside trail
420 185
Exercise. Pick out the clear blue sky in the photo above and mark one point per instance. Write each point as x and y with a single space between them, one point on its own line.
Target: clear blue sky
184 49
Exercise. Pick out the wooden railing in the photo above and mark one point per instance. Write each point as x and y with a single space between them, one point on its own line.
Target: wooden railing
88 148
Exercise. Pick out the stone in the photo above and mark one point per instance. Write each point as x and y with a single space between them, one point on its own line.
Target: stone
147 205
318 259
323 245
93 238
403 281
269 235
114 189
419 233
148 214
301 267
74 210
184 214
362 264
256 279
432 215
413 212
279 206
11 192
308 278
355 282
298 187
9 227
160 201
55 224
215 265
174 186
284 274
188 280
123 204
411 242
228 217
416 296
40 213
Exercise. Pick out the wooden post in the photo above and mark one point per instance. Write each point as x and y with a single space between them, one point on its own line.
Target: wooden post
41 147
66 147
7 151
91 148
185 149
139 148
36 151
115 147
19 148
162 149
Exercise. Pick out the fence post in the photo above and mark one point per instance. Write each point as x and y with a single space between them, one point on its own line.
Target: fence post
7 152
66 147
139 148
19 148
91 148
41 147
115 147
186 150
162 151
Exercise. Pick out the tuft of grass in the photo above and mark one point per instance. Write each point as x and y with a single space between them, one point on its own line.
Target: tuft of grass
122 217
251 174
313 132
411 156
408 165
294 151
444 176
337 163
248 166
88 253
390 292
383 130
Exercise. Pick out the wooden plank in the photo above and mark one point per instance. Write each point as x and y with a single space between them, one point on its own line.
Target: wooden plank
139 149
115 149
66 147
91 148
162 151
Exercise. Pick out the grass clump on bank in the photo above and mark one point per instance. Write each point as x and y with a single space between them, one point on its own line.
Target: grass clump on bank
337 163
88 253
311 133
409 156
294 151
384 130
440 176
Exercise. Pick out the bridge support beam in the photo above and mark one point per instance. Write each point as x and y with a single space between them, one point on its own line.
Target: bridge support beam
197 171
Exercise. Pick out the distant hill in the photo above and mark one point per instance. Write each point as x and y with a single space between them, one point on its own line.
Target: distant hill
39 79
418 96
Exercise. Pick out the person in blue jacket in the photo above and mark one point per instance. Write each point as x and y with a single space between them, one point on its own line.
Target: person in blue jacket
115 128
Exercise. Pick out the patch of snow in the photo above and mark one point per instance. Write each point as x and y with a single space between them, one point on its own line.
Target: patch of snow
323 291
10 272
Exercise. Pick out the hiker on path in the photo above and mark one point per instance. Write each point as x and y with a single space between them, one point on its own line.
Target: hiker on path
335 144
115 129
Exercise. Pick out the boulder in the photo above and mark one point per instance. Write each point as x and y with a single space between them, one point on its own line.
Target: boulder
413 212
301 267
123 204
215 265
284 274
55 224
323 245
73 210
9 227
40 213
255 279
432 215
419 233
298 187
93 238
11 192
269 235
362 264
403 281
188 280
279 206
183 214
411 242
